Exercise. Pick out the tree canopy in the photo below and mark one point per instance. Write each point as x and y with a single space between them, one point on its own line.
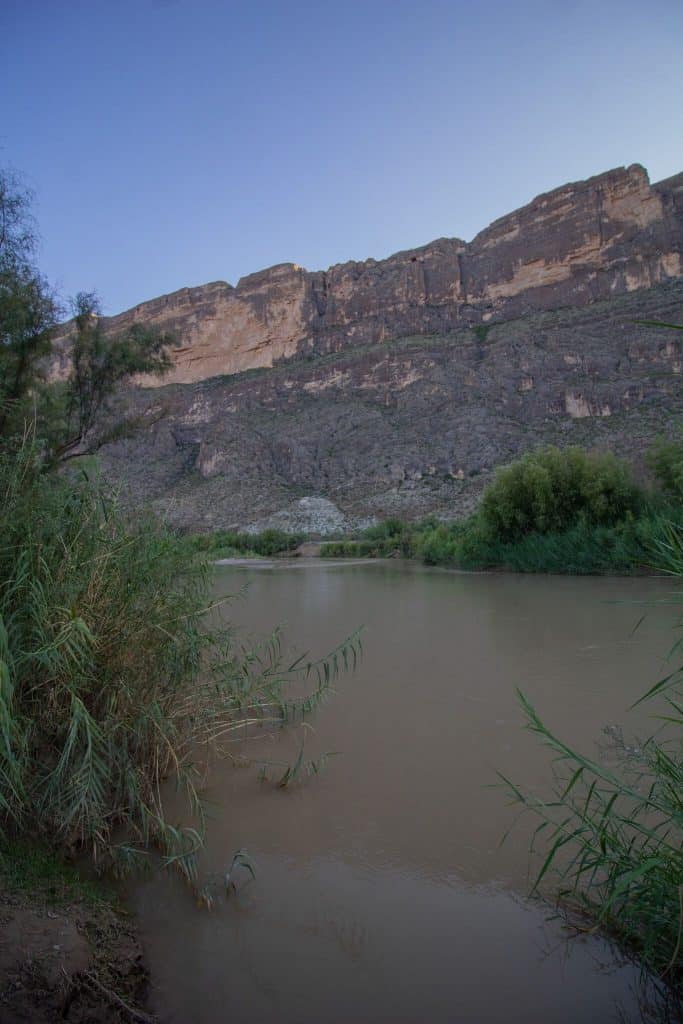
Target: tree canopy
99 361
28 308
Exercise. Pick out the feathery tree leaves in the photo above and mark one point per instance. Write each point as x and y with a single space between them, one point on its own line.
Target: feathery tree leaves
100 362
28 308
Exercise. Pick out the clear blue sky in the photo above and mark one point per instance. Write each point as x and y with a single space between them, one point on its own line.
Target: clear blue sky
174 142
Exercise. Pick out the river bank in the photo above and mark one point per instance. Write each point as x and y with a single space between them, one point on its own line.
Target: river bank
569 512
347 898
68 949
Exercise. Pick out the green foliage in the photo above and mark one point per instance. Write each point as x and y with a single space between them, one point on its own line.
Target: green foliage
110 679
550 490
442 545
387 539
229 543
100 362
668 549
614 837
29 314
353 549
551 511
17 228
35 870
583 549
339 549
666 462
28 310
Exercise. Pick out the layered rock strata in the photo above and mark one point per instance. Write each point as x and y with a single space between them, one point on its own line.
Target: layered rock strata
406 427
581 243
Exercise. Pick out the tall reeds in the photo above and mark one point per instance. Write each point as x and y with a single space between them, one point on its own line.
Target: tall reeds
110 678
612 838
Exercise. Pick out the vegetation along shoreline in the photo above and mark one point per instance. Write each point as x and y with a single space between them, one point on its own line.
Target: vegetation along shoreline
116 666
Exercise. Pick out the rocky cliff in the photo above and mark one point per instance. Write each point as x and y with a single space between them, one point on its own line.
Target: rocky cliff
323 400
406 427
576 245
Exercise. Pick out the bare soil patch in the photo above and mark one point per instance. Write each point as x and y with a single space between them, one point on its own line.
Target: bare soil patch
77 960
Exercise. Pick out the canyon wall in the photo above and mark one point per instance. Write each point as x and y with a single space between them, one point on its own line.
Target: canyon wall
402 427
398 386
581 243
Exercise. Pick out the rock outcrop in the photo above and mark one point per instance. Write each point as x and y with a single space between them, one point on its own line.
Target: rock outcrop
579 244
405 427
397 386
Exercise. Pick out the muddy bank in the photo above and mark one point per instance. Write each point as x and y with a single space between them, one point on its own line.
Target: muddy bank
68 951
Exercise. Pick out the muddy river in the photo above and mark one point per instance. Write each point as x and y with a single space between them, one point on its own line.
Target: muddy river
383 892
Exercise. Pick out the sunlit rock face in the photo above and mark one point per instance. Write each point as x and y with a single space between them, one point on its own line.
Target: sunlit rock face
405 427
397 387
581 243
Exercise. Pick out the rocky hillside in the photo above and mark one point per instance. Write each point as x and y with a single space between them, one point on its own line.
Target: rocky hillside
320 400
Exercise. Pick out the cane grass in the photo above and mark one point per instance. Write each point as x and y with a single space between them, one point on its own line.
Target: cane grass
110 678
611 838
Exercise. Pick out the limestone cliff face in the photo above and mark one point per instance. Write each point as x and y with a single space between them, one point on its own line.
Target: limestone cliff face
401 427
581 243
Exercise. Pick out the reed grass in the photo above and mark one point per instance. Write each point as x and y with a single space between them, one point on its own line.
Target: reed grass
110 680
612 839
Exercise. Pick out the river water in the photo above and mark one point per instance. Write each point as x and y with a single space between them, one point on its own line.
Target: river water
382 891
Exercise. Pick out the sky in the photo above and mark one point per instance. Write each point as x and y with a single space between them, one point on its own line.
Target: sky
175 142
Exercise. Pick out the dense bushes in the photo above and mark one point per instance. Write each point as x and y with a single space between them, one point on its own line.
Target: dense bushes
573 512
228 543
109 676
563 511
388 539
581 550
552 490
666 462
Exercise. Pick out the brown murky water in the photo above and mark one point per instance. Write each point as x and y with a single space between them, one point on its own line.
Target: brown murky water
383 893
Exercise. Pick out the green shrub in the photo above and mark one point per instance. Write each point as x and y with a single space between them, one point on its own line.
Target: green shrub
383 540
550 490
228 543
583 549
340 549
388 529
440 544
560 511
666 462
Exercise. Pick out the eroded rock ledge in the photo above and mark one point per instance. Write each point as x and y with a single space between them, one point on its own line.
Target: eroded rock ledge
581 243
402 427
